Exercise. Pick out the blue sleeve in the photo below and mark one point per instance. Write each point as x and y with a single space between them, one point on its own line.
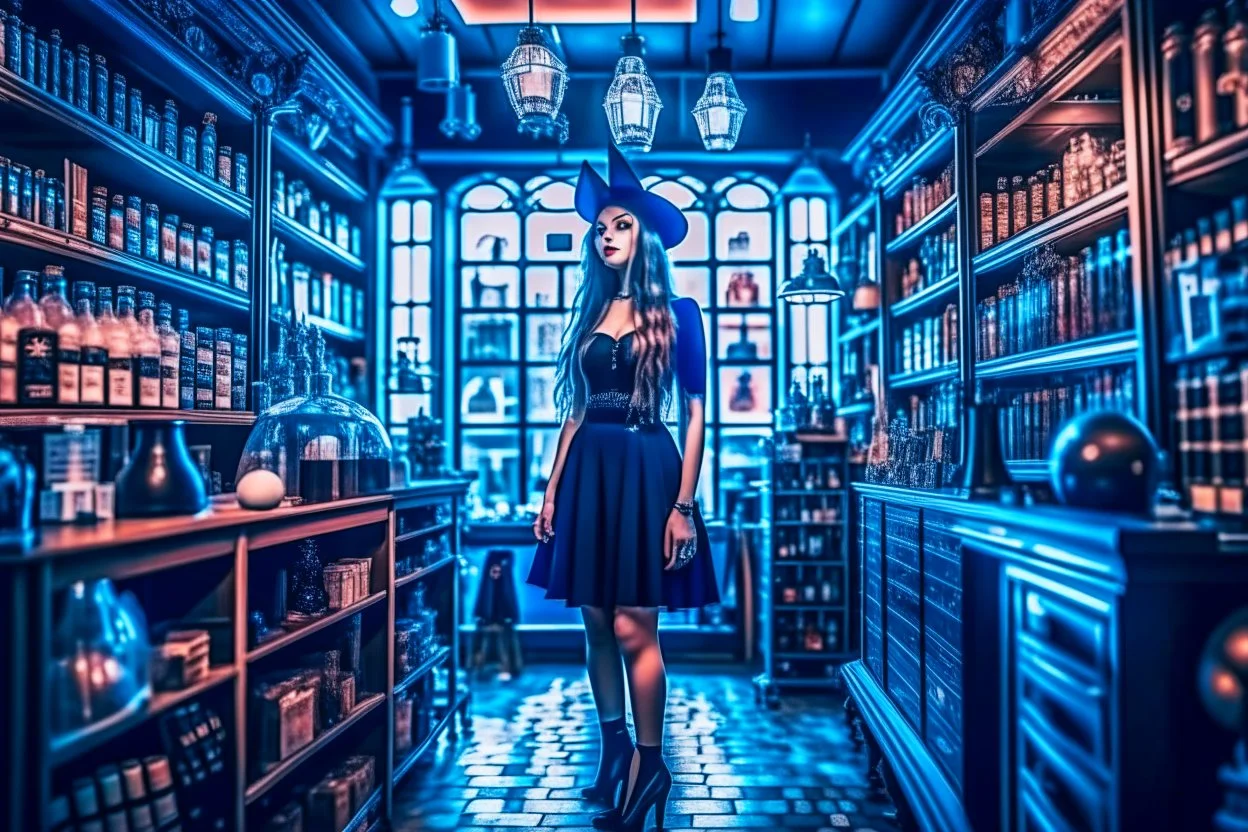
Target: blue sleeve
690 347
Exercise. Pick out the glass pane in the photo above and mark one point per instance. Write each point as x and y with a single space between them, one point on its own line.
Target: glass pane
746 196
799 225
421 328
675 193
798 354
697 244
742 456
490 237
541 394
798 253
542 446
745 395
487 198
541 286
557 196
494 456
743 235
400 322
401 273
693 282
490 287
571 282
400 221
745 337
491 337
490 395
819 225
545 336
421 274
744 285
422 221
404 406
554 236
820 332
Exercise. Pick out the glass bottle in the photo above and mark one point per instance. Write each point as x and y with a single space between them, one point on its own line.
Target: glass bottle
13 44
134 116
1003 208
151 231
186 361
36 353
203 252
186 247
242 274
82 79
147 353
100 88
69 75
225 166
120 361
208 146
119 101
170 357
99 215
117 224
190 147
59 317
134 225
151 126
20 311
28 52
94 361
169 240
55 57
221 262
43 78
169 129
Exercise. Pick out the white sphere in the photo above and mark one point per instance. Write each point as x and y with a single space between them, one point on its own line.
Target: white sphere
260 490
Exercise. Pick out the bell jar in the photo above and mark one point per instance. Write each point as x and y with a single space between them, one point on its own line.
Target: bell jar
323 446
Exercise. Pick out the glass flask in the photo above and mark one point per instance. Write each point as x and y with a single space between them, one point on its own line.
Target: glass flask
100 656
323 446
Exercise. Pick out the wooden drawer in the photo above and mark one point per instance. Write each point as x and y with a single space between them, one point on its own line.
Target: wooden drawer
1072 704
1079 632
1071 796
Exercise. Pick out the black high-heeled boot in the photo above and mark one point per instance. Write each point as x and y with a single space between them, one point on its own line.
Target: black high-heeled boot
649 790
617 753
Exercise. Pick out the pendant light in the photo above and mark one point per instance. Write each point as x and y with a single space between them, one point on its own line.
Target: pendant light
720 112
535 79
437 55
461 114
632 103
814 285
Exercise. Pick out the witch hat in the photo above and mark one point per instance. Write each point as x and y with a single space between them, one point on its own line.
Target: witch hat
625 190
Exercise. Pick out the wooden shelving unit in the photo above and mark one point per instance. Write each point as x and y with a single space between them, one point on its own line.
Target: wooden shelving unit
237 546
786 622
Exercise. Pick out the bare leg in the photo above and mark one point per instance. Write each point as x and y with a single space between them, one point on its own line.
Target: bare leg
606 679
637 630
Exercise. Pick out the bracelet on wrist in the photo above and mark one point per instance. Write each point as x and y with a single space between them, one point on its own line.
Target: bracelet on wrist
685 508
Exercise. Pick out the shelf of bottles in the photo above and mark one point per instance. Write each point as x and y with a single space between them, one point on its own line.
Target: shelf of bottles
1053 280
125 221
1205 128
855 382
319 259
807 606
912 439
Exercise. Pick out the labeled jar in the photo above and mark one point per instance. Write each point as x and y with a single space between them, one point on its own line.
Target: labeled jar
169 240
151 231
242 276
99 215
225 165
119 101
134 225
186 247
117 223
203 252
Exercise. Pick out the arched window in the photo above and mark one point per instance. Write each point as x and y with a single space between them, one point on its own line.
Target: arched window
516 270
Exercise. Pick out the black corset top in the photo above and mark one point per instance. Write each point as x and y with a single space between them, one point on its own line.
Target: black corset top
610 368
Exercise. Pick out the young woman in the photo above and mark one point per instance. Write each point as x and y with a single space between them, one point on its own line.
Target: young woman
620 535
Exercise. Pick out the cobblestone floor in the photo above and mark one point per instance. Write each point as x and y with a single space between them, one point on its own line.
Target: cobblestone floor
535 744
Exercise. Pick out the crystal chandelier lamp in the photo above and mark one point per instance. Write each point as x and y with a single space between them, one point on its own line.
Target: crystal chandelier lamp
535 79
632 103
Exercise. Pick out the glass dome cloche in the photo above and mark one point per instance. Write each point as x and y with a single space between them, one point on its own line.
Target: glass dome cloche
323 446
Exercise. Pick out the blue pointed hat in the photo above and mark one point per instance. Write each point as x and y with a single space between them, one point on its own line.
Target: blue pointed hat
626 191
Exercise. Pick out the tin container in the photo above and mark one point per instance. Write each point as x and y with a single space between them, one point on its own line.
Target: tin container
203 252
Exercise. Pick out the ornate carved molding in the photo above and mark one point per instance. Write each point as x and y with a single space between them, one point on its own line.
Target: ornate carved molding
951 82
1055 50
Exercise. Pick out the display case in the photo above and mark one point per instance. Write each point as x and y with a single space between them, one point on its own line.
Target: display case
856 324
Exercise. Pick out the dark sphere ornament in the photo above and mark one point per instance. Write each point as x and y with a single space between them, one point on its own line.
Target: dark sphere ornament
1105 460
1223 673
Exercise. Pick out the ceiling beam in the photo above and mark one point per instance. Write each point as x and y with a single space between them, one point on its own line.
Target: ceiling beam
814 74
572 158
771 31
844 33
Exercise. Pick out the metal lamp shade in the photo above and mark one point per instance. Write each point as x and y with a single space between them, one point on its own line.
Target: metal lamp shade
437 60
719 113
813 285
535 79
632 105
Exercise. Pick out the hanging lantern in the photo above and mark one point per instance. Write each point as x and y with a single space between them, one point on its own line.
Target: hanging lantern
535 79
814 285
437 56
632 103
720 112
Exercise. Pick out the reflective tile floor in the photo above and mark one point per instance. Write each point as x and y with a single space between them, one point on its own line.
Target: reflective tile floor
736 765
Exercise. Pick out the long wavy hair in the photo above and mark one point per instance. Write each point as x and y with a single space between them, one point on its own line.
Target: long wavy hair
650 286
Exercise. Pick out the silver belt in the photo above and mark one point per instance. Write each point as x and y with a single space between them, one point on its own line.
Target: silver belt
612 399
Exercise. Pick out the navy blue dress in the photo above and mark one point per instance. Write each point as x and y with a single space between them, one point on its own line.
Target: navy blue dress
618 485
